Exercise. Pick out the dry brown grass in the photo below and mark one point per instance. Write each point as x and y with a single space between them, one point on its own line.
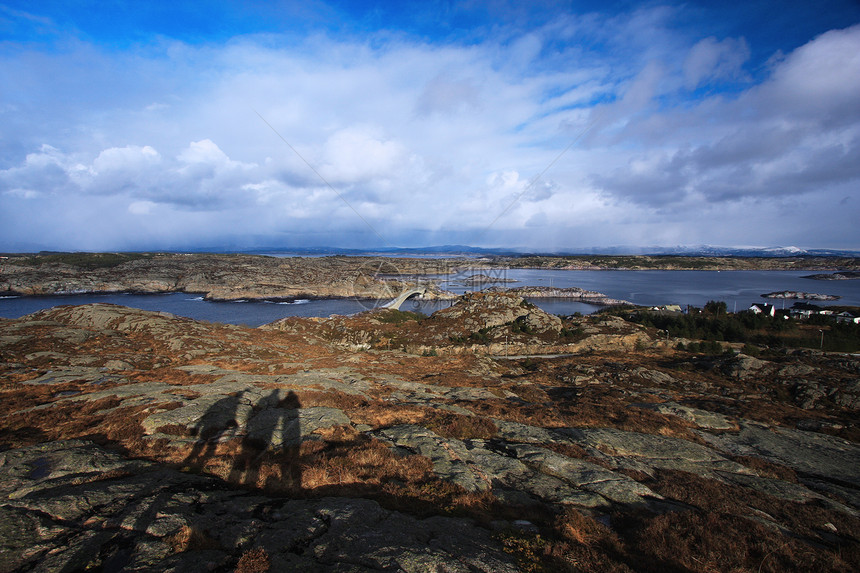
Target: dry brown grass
767 469
380 414
607 408
330 399
69 420
20 397
175 430
708 541
581 543
360 462
254 561
453 425
171 376
530 393
567 449
531 414
190 538
721 533
341 463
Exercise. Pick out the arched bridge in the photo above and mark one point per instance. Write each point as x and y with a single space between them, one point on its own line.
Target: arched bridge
408 293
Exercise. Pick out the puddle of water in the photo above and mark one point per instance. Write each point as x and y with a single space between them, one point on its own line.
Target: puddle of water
65 393
41 468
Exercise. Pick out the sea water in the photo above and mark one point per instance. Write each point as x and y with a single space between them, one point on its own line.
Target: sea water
738 289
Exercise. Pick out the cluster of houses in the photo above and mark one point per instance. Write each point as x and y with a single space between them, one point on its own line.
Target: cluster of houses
799 311
802 311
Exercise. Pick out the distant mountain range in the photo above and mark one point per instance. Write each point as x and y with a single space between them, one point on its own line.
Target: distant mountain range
465 250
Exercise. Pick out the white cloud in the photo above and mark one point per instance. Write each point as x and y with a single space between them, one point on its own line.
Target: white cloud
818 81
207 153
711 59
141 207
126 158
426 139
446 95
797 133
360 153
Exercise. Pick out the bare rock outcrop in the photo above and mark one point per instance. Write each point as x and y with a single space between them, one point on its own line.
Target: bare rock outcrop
476 311
70 505
217 277
142 441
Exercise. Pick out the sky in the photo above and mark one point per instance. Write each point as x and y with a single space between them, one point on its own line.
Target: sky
544 125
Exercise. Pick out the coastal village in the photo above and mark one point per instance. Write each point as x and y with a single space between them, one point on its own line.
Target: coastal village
798 311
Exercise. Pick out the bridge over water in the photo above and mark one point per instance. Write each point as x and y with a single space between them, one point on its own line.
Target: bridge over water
408 293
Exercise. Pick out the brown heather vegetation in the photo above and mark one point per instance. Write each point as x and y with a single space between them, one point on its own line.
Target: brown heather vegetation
190 538
701 524
253 561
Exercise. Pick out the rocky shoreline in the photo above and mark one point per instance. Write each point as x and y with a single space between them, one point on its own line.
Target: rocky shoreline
218 277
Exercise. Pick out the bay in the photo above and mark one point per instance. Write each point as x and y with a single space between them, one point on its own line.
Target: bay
738 289
248 313
741 288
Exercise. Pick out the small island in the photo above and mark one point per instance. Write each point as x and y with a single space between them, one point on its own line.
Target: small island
791 294
481 279
839 276
571 293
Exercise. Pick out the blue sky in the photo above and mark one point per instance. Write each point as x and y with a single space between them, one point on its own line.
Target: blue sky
545 125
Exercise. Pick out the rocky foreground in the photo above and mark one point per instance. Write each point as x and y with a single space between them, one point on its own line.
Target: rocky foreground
139 441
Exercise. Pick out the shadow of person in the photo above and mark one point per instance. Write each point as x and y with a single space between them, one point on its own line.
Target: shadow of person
219 417
291 435
269 455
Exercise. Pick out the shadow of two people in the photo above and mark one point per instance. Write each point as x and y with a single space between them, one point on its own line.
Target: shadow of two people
269 450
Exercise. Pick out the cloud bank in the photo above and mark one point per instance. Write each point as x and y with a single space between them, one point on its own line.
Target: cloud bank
586 130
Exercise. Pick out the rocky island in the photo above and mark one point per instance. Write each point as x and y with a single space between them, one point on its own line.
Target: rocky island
571 293
790 294
490 436
840 276
483 279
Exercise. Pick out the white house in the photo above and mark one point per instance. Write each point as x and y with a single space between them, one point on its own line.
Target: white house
847 317
765 309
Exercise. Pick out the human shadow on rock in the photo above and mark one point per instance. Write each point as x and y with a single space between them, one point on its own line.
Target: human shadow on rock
270 449
218 418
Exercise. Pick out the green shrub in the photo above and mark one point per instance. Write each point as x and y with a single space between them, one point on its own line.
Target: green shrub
521 326
482 336
572 332
751 350
88 261
395 316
